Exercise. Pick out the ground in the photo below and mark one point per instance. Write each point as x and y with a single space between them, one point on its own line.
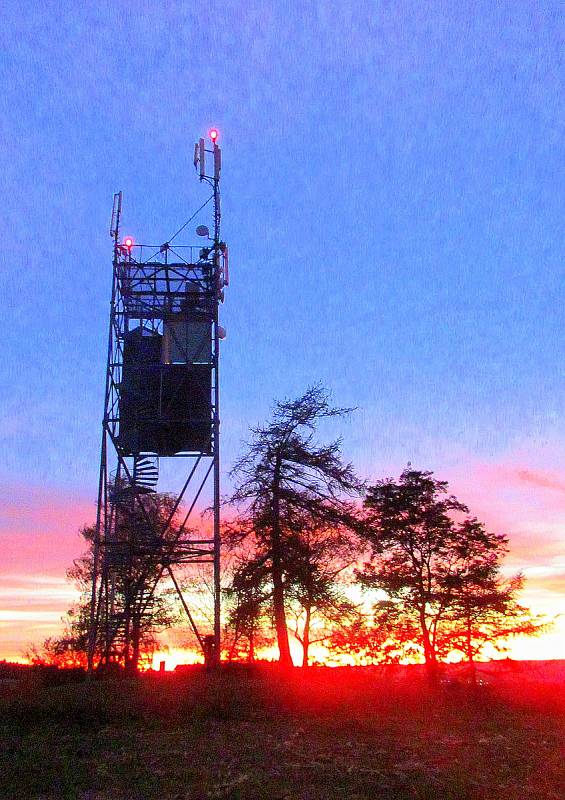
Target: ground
326 734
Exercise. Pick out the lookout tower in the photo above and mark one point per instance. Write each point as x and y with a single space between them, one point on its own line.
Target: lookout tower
161 401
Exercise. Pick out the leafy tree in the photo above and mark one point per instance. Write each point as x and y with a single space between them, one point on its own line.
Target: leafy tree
285 483
439 567
249 595
139 557
319 559
139 609
63 652
486 612
383 637
315 601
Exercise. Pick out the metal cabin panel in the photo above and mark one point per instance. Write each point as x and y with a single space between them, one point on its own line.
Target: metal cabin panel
164 408
187 339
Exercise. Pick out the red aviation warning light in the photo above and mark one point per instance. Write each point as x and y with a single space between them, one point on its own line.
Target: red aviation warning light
128 242
214 135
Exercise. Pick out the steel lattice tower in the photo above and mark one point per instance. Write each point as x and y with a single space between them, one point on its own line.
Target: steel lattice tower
161 401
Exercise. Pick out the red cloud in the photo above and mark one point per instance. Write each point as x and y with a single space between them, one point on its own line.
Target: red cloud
542 480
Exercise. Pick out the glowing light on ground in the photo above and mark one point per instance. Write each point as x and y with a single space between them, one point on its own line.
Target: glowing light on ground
175 657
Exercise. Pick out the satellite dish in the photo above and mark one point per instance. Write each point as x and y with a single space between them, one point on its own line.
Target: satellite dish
202 230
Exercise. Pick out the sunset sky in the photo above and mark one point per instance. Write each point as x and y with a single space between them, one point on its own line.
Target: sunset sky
393 202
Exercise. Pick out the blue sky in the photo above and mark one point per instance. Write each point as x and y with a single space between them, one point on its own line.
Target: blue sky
393 202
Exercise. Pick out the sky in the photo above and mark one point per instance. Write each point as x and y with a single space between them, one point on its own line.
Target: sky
393 202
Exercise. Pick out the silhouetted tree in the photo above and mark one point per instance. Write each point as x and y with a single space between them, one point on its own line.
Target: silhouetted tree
249 598
138 561
439 567
485 611
58 651
319 559
136 570
286 483
385 636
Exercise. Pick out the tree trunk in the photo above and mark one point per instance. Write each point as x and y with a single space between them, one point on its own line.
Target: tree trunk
306 638
135 643
251 656
285 658
127 634
278 607
429 651
135 654
470 658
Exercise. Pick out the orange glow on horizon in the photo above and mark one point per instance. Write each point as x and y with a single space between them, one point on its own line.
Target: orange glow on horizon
174 657
549 646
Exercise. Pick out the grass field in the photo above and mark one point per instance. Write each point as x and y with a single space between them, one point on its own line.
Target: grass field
324 735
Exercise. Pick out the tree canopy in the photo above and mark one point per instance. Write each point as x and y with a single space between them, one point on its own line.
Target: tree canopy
440 568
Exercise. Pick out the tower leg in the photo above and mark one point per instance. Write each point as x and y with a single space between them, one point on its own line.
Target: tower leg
93 616
217 562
